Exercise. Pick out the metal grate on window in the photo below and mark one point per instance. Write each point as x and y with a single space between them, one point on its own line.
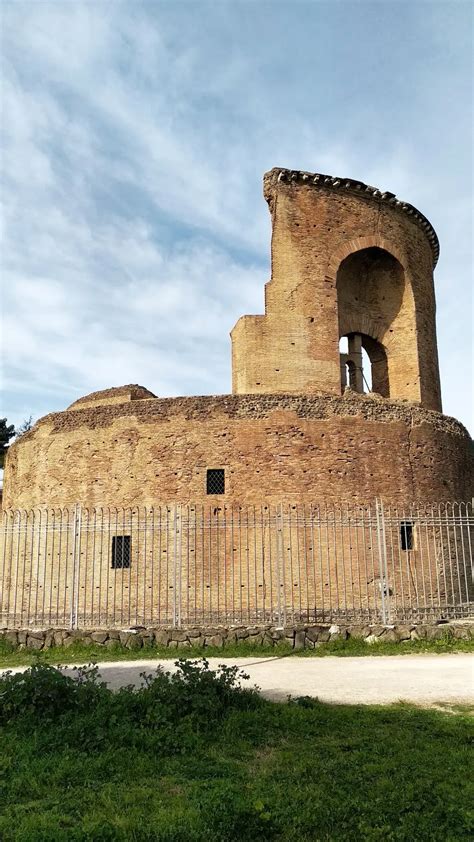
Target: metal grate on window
121 552
406 535
215 481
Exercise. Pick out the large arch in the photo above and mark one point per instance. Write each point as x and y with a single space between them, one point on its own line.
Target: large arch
375 308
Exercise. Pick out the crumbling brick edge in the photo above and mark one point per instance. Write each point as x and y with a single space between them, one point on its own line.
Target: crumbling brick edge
298 636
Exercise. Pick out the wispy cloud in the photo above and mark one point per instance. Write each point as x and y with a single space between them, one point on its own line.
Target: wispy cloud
135 139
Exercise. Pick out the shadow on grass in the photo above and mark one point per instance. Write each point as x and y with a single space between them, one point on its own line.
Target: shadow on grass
194 759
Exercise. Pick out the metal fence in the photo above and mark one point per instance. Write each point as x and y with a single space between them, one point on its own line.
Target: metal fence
174 565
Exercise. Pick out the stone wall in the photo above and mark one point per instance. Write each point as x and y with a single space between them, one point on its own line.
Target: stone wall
298 637
273 448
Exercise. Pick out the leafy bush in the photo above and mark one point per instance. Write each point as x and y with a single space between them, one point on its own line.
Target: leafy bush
44 692
168 712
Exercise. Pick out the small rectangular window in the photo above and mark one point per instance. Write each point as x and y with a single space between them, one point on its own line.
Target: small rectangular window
215 481
120 552
406 535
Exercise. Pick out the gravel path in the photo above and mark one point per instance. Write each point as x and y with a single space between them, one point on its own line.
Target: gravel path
421 679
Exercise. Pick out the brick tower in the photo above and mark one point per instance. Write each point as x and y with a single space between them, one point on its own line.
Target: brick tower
347 261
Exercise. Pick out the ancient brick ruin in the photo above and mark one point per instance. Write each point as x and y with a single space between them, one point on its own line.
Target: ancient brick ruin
336 403
347 261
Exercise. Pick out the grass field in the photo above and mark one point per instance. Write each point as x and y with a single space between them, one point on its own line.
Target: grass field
343 648
191 757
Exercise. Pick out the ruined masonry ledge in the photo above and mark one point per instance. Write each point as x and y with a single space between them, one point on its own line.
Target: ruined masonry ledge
370 407
349 185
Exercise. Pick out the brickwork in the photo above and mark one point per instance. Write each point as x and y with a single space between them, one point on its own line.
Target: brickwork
272 447
319 226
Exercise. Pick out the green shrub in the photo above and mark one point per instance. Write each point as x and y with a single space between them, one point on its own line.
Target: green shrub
168 712
45 693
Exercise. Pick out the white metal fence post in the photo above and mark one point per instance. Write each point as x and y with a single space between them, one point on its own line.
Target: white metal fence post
382 564
281 568
76 559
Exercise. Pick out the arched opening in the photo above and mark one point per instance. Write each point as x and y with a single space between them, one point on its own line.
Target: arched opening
363 364
370 289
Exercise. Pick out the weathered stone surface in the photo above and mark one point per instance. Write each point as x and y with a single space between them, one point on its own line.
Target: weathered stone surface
99 636
324 636
299 642
112 643
438 632
134 642
342 634
241 633
193 633
389 636
214 640
183 644
12 638
68 641
267 639
359 632
162 637
36 633
198 641
124 637
404 632
312 633
34 642
460 632
179 635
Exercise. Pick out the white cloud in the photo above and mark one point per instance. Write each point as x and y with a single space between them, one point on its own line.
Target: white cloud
135 139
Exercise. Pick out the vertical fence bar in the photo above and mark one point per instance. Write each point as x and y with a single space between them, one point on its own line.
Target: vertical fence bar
381 564
75 541
17 566
280 568
175 566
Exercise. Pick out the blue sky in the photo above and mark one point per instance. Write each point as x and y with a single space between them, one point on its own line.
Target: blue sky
136 135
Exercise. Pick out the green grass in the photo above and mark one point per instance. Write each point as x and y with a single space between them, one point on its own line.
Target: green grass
343 648
193 760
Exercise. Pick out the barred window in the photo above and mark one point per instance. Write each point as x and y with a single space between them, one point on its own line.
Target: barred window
215 481
121 551
406 535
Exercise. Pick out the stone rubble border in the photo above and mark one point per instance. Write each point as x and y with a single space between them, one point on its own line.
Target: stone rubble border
298 636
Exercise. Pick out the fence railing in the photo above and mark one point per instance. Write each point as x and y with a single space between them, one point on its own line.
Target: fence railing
172 565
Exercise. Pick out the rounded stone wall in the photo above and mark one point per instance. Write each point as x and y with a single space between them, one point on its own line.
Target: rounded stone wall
124 447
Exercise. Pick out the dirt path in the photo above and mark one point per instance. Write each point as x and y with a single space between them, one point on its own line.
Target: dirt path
422 679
